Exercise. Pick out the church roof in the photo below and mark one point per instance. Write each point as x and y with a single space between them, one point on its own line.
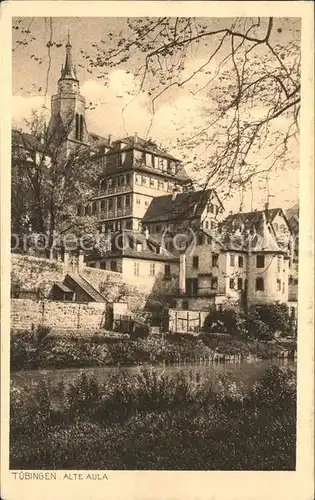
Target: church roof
28 141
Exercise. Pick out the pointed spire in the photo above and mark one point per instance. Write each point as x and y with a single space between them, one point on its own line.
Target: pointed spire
68 71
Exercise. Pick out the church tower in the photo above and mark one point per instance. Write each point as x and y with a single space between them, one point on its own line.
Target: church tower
68 106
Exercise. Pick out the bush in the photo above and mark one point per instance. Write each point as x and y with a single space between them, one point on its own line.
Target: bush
276 389
42 332
230 319
257 328
277 317
154 421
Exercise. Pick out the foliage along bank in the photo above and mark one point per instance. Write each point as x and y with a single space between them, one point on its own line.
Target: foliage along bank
42 349
152 420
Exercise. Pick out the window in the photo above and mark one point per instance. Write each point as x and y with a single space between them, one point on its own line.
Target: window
283 287
127 201
215 260
113 265
81 128
144 180
232 283
138 179
77 126
195 262
291 281
260 261
127 178
138 200
200 239
278 263
210 208
157 228
260 286
152 161
103 265
232 260
161 185
152 182
240 261
102 205
167 271
152 269
136 268
214 283
192 287
278 285
185 305
239 284
93 208
147 202
207 224
110 204
129 224
119 203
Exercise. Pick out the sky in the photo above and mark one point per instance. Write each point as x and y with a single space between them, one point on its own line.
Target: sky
35 75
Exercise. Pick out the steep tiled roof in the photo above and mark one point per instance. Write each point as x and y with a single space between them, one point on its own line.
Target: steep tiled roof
187 205
129 246
260 240
98 141
249 219
145 145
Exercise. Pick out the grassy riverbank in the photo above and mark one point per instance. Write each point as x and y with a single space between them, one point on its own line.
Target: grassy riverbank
30 350
154 421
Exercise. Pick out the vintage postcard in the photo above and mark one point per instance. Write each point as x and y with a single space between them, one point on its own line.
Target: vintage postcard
157 235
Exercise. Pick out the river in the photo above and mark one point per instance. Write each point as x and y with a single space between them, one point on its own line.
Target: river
245 371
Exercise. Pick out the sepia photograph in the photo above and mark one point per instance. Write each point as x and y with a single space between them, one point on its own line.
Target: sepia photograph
154 243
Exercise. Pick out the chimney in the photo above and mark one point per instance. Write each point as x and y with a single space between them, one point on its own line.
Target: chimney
109 139
182 273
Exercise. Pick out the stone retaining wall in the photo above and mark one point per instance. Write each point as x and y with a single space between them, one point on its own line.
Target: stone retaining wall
62 316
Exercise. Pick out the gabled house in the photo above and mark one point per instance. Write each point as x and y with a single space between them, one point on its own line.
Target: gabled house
247 265
182 213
